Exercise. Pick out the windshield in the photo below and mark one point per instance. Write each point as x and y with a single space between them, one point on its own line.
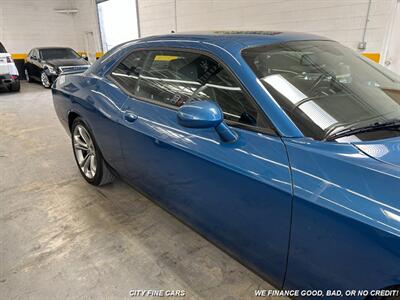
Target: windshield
58 53
324 86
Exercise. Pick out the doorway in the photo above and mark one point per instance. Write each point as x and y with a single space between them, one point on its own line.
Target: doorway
118 20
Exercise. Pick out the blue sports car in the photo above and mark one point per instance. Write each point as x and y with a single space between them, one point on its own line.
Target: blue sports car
281 148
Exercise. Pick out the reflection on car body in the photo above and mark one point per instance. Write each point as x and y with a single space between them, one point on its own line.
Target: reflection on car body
234 133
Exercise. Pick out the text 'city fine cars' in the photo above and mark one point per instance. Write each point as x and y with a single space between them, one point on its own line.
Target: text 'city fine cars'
45 64
281 148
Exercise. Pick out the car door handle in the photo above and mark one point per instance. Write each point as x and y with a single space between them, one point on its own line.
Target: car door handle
130 117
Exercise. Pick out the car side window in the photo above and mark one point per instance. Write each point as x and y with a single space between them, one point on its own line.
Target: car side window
169 77
175 77
30 54
230 97
35 54
128 70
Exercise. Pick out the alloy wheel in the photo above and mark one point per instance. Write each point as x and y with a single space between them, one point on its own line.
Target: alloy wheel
85 151
45 80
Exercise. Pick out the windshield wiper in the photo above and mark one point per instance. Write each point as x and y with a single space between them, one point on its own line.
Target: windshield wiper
392 124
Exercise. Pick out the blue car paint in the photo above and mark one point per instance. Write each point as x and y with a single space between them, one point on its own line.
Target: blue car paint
386 151
228 50
181 163
200 114
345 231
99 103
206 114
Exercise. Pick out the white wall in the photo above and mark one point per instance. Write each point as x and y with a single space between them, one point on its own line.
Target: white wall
86 23
118 22
157 16
25 24
342 20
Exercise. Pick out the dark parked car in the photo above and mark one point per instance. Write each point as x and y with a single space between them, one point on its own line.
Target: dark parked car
281 148
45 64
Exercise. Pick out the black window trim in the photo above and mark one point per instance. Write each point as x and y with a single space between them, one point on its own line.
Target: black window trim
271 130
2 48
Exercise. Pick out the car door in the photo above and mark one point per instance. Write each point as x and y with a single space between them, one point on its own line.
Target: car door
28 63
36 64
33 64
236 194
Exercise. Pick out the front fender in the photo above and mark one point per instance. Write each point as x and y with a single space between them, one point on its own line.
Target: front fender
346 219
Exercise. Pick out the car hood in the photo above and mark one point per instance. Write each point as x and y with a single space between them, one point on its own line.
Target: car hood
387 151
67 62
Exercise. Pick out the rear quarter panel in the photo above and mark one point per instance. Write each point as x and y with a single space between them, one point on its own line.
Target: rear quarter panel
98 102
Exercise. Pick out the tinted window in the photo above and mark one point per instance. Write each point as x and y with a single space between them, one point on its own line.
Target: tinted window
325 87
128 70
169 77
234 103
173 78
2 49
58 53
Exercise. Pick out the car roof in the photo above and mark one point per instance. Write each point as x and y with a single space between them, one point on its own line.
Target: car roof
229 41
246 38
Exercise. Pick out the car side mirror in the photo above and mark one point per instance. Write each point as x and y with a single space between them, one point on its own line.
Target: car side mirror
205 114
33 57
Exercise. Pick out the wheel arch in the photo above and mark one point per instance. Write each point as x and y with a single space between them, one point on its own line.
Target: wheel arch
71 117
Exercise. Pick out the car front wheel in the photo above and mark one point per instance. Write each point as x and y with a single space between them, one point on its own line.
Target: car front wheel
88 157
45 80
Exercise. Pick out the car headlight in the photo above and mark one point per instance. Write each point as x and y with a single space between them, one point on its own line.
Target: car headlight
51 69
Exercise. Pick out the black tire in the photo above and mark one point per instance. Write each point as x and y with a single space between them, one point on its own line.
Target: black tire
102 172
15 86
27 77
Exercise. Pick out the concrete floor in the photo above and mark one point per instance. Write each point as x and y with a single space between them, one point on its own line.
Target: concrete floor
62 238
